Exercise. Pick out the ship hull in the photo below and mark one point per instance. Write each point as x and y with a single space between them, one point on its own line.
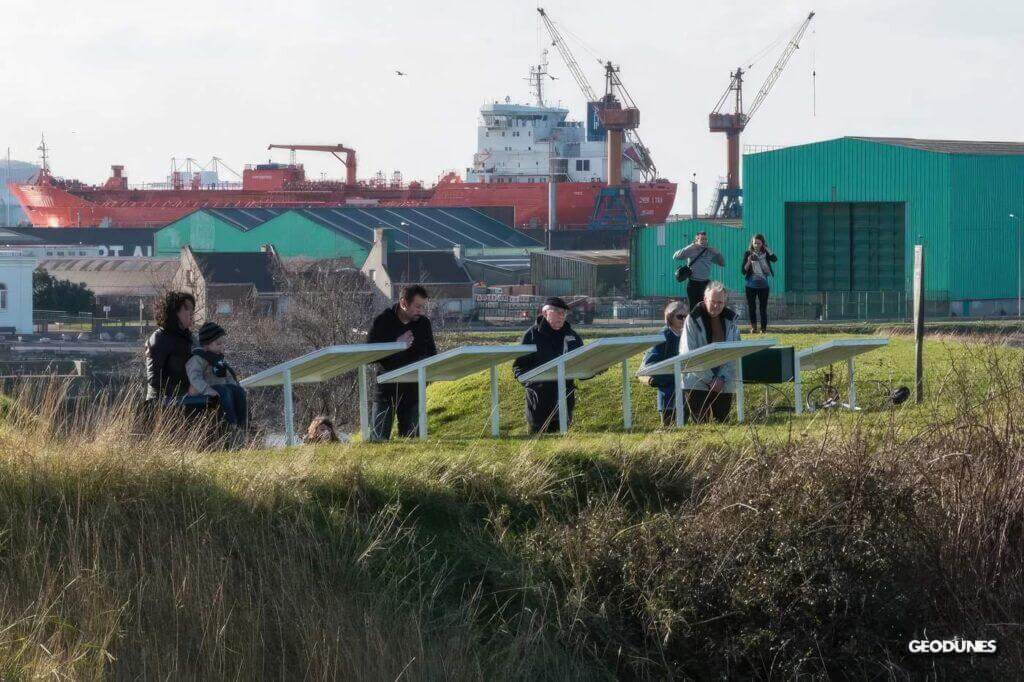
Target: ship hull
49 205
575 200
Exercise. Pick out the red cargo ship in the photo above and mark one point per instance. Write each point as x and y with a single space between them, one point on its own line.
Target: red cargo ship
517 144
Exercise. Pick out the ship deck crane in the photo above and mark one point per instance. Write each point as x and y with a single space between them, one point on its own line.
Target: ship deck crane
643 156
728 203
349 161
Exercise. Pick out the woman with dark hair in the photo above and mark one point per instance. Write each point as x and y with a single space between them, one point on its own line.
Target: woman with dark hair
321 430
169 347
757 268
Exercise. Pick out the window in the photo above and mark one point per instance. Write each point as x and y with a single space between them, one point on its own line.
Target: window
583 164
3 297
223 307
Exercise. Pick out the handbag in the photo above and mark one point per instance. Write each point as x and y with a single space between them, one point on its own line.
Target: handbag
683 272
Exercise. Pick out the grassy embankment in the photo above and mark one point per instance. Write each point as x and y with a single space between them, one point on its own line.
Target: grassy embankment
817 545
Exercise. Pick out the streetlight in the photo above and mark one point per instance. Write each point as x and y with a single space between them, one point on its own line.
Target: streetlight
1017 234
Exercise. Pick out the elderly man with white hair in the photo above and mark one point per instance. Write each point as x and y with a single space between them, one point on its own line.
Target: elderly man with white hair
709 393
553 337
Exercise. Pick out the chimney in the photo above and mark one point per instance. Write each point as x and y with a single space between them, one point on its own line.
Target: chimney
693 196
380 236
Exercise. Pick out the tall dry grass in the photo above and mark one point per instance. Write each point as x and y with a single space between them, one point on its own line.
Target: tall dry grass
126 551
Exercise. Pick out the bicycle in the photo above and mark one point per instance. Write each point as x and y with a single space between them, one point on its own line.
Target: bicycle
871 394
775 401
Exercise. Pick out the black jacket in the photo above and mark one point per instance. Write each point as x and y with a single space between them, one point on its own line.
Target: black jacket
167 351
550 344
387 328
769 258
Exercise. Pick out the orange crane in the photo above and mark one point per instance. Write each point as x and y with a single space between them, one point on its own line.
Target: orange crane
728 203
349 161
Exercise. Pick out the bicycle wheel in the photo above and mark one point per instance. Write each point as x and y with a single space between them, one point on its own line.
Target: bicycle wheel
822 397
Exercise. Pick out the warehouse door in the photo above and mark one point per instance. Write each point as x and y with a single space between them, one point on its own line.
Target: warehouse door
844 246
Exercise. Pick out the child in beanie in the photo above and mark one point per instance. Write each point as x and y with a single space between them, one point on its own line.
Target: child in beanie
210 374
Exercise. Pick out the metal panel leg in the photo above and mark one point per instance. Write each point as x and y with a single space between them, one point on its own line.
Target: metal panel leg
563 404
798 386
627 398
853 387
289 410
494 401
739 390
677 371
364 419
421 381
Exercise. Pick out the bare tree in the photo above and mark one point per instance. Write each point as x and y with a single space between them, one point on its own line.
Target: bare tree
323 303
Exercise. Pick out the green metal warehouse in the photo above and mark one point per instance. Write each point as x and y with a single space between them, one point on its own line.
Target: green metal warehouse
843 216
343 232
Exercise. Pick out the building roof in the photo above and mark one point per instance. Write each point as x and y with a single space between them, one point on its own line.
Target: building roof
412 228
950 146
239 268
603 257
426 267
108 276
124 238
512 263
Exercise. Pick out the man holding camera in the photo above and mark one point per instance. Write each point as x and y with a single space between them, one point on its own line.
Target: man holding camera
701 257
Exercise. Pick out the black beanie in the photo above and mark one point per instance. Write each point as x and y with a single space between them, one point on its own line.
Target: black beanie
556 302
209 332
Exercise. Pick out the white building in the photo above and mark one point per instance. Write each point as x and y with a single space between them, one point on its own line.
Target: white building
16 291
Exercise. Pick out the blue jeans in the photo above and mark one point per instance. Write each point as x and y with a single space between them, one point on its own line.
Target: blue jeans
233 403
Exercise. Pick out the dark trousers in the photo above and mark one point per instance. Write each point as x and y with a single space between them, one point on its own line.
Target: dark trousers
695 291
542 406
757 299
391 400
233 404
704 406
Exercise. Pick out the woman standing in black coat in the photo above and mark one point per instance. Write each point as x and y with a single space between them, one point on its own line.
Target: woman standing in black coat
757 269
169 347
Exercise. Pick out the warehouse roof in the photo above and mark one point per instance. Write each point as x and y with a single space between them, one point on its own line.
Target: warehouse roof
426 267
951 146
239 268
604 257
108 276
413 228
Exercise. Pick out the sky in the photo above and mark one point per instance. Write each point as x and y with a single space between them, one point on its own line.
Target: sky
140 82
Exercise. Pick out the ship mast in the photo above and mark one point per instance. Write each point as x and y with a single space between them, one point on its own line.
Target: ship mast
536 78
44 150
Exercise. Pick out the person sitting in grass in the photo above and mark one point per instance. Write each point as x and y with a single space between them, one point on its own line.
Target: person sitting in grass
675 316
321 430
709 393
553 336
210 374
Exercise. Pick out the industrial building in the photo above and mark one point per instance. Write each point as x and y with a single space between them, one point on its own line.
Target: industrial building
843 215
342 232
582 273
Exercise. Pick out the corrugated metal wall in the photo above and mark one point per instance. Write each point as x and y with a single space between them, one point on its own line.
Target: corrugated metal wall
849 170
652 269
554 275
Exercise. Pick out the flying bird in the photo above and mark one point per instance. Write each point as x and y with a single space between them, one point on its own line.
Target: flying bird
400 73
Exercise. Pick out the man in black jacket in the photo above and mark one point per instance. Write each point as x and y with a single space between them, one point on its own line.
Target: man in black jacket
553 337
406 322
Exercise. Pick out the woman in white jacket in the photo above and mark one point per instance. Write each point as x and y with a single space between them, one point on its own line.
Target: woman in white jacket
709 393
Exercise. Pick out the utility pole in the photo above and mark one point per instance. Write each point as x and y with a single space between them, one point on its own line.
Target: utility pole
1018 235
919 323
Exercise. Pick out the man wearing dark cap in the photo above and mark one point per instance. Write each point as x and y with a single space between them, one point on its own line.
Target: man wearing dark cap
553 337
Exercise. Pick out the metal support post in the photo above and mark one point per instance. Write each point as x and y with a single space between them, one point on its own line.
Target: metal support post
495 419
677 373
798 386
364 418
563 416
739 390
853 386
627 398
421 385
289 411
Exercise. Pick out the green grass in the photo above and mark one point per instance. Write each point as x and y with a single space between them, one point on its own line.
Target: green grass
813 546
